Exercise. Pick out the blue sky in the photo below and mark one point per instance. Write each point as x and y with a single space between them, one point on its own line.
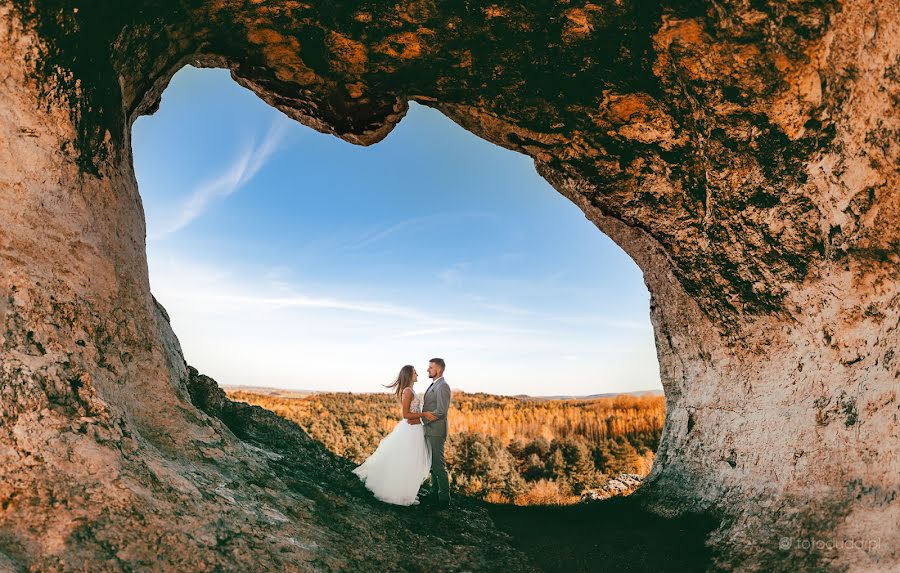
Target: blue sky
293 259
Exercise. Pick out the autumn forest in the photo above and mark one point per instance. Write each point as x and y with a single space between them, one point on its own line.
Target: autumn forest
501 449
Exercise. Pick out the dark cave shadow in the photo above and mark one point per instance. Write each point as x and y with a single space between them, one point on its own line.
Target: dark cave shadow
616 534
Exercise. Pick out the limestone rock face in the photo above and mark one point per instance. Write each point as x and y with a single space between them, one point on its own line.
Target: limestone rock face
622 484
745 154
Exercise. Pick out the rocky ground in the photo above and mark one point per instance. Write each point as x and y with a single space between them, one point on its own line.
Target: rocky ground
622 484
610 535
376 536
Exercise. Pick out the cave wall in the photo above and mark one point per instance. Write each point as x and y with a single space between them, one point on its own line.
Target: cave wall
743 153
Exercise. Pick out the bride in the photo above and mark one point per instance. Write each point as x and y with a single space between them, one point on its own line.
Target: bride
402 460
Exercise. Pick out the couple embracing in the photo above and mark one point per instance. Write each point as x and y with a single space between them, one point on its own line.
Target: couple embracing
415 446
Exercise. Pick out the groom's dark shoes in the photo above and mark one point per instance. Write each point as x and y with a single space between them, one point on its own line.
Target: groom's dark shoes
442 504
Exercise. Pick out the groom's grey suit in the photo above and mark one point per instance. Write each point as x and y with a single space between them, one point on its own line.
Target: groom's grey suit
437 400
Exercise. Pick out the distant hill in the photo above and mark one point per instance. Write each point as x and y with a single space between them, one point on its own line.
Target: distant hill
284 393
591 396
268 391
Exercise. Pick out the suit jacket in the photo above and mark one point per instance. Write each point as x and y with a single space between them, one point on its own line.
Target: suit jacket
437 400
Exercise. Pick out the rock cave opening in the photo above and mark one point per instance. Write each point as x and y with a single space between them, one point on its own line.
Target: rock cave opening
288 258
742 154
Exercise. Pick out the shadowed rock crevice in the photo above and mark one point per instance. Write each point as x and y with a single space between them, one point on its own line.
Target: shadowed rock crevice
742 153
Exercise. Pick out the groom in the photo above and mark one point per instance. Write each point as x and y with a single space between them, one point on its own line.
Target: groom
437 400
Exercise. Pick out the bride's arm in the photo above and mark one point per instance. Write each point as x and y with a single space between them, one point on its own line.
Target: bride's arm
405 401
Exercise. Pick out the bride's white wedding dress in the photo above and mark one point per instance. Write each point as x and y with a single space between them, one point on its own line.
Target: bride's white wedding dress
400 464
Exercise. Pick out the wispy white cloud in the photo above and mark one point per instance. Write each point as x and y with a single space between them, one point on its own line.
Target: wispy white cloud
206 287
411 224
509 309
299 301
444 326
555 277
511 257
376 236
454 274
423 332
241 170
564 319
242 327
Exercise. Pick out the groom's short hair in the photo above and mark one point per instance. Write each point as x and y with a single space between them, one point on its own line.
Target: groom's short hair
439 362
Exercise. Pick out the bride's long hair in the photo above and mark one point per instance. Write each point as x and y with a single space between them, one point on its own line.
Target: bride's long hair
403 381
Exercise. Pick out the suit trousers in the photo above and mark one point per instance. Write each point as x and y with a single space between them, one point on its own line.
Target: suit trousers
440 481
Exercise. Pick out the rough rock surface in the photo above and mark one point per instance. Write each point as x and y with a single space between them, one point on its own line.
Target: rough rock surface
743 152
622 484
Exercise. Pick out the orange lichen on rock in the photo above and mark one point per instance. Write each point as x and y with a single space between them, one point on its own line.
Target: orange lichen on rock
355 90
678 31
283 54
403 46
578 25
745 55
465 60
624 107
581 22
701 58
416 12
683 37
263 36
636 117
350 56
803 94
494 11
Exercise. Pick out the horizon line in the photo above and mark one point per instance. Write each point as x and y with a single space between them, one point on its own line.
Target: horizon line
558 396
